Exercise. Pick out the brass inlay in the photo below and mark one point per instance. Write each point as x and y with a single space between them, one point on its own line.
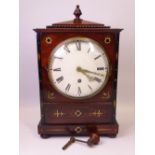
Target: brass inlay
78 129
97 113
48 40
107 40
58 114
104 129
77 113
50 95
105 95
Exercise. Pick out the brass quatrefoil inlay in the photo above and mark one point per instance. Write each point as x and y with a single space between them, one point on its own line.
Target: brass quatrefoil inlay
77 113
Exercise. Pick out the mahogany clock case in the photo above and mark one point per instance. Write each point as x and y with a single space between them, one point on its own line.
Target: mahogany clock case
65 116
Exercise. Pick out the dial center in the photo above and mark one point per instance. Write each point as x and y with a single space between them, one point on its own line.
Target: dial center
78 69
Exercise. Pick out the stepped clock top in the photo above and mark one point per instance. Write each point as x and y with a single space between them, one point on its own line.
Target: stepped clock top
77 22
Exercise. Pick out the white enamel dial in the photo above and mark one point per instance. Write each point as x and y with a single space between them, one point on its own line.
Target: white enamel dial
78 68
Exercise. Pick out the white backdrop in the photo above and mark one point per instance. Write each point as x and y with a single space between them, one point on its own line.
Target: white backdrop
38 14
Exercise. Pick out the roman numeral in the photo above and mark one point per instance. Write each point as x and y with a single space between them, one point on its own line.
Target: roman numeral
68 87
78 45
79 91
90 87
59 79
58 57
57 69
66 48
97 79
97 57
100 68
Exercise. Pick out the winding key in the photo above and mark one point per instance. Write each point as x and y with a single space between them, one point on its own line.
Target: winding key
71 141
93 140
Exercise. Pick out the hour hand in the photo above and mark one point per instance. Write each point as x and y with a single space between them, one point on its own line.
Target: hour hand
90 78
79 69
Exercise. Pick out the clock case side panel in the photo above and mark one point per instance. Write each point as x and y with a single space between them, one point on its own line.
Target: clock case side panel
117 35
38 37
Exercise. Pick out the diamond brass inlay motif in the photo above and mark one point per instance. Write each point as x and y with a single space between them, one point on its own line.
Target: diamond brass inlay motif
78 129
58 114
77 113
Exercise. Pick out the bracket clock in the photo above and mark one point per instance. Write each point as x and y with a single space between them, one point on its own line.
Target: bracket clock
78 64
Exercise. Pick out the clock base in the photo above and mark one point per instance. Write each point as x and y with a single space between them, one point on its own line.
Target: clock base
105 129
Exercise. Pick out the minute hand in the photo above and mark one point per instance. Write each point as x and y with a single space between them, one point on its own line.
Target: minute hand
87 71
90 78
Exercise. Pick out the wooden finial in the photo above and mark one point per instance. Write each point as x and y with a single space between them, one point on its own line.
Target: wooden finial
77 13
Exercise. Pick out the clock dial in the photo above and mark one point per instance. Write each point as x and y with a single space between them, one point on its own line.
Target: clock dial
78 68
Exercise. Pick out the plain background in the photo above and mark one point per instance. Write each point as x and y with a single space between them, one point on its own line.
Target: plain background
38 14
